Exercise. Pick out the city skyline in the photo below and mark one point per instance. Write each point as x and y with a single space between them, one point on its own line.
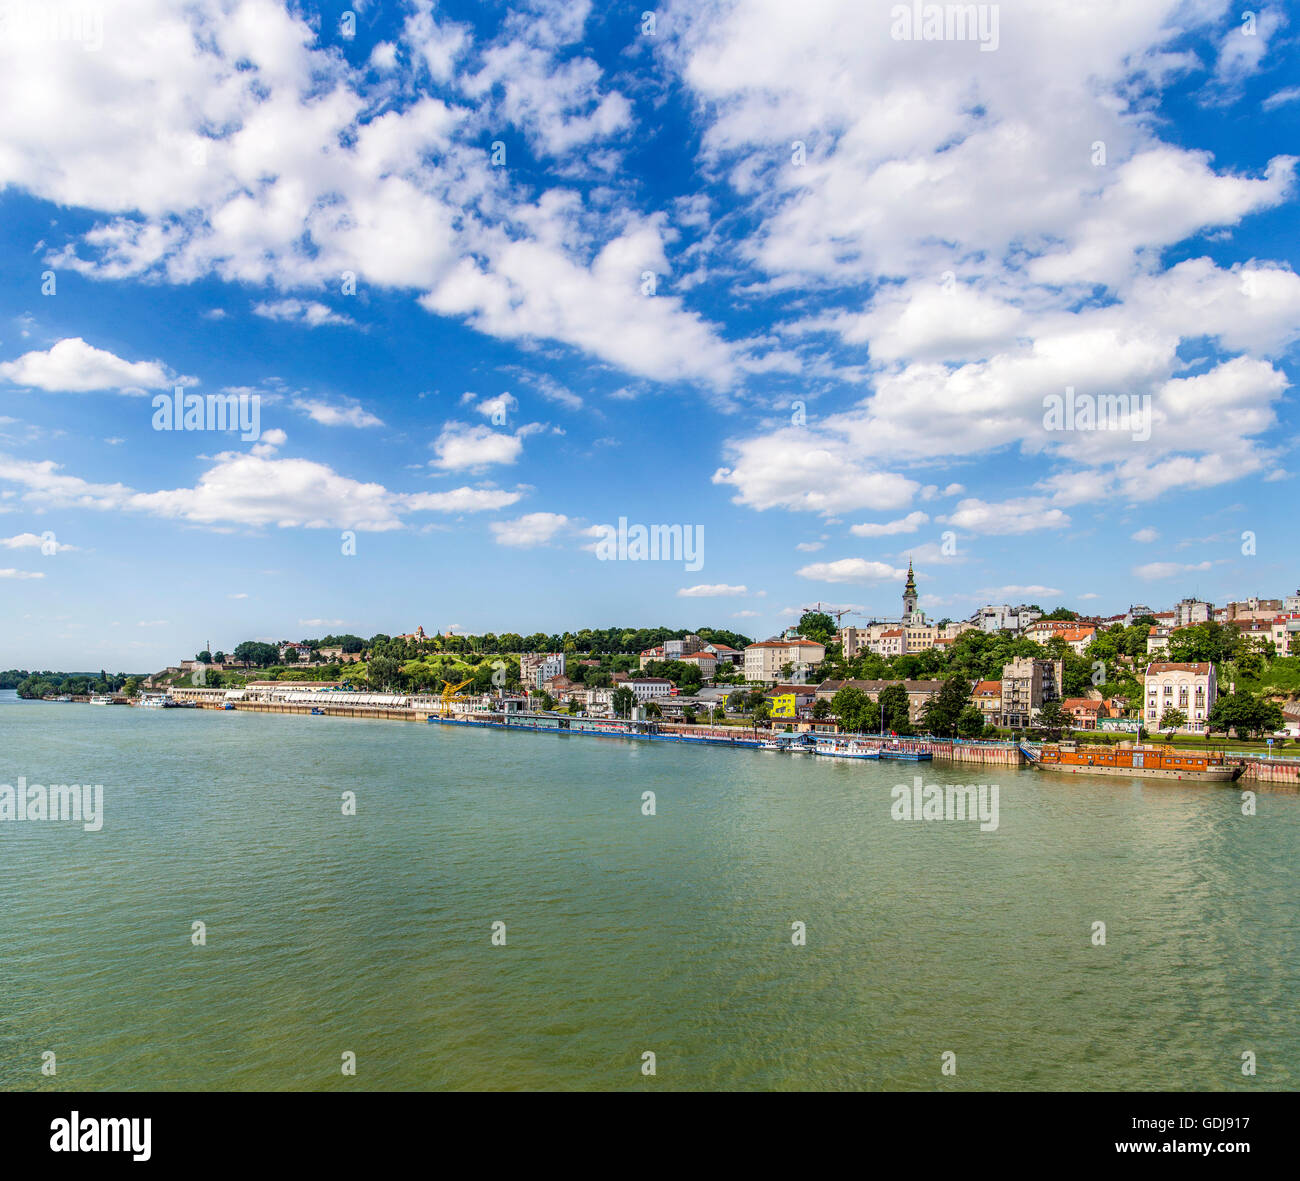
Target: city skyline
490 283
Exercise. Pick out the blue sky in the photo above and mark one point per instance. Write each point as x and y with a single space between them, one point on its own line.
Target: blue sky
766 270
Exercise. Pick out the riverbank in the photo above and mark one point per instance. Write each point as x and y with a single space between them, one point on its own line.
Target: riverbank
1276 773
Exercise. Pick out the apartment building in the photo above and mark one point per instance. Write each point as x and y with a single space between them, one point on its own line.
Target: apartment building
765 660
537 667
1190 611
987 698
1083 712
918 692
1029 683
1192 688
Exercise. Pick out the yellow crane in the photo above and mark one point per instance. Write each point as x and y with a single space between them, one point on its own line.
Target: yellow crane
449 691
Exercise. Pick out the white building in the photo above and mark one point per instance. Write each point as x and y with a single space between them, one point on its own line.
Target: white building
536 667
1191 688
1004 617
765 660
1189 611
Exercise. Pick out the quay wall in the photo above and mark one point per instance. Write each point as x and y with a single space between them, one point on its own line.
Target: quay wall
1275 774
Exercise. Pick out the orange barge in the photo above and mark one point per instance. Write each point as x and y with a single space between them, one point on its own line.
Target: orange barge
1136 762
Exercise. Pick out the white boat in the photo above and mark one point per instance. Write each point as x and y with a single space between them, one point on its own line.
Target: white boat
156 701
101 699
845 748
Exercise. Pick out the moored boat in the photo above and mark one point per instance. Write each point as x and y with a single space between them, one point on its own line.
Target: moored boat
1138 762
844 748
906 755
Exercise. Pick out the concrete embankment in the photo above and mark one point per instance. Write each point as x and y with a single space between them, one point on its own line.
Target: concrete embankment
332 711
1272 772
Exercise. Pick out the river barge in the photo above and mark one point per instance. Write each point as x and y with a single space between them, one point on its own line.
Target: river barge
1134 762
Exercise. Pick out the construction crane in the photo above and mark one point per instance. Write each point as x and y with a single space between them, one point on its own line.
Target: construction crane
826 609
449 691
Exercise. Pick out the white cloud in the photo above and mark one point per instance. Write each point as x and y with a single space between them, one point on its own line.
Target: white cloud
1147 534
532 529
36 541
461 446
1013 591
308 312
711 591
908 524
462 500
1155 570
851 570
10 572
1018 515
798 470
328 415
252 490
75 367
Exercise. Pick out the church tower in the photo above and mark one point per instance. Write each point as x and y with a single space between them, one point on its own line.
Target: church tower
910 614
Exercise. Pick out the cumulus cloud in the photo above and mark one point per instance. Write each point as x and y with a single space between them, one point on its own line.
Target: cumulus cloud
908 524
332 415
852 570
532 529
72 366
713 590
462 446
1156 570
308 312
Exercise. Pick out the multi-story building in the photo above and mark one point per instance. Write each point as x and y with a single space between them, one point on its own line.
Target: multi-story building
1192 688
676 649
1252 609
765 660
1029 683
1190 611
1291 604
1083 712
1003 617
918 692
853 641
1077 635
645 688
706 662
536 667
725 653
987 698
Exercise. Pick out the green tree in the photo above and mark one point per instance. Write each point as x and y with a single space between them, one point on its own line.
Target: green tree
1052 717
817 625
941 712
970 722
1172 719
821 709
624 700
895 709
383 672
